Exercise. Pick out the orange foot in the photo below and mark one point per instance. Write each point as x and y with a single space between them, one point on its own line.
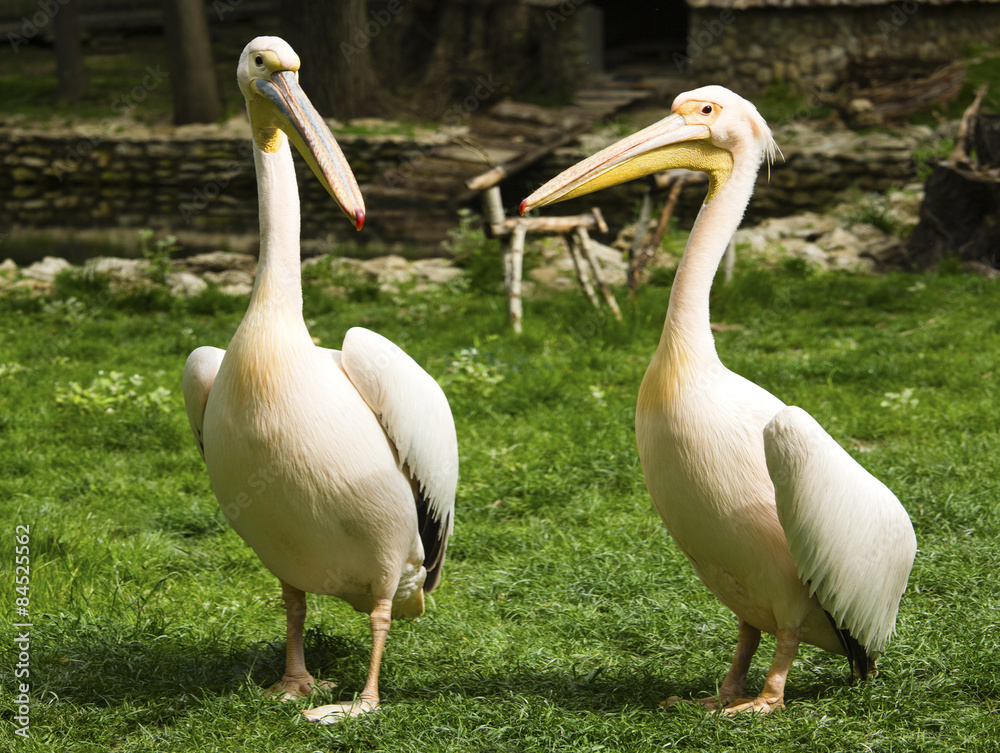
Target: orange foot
759 705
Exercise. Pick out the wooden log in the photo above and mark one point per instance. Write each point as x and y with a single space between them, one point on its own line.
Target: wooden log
986 141
965 129
666 180
514 308
496 174
959 218
638 263
584 239
493 212
960 211
551 225
581 273
639 239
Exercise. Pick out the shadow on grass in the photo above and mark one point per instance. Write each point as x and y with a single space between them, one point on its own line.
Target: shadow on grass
104 663
165 669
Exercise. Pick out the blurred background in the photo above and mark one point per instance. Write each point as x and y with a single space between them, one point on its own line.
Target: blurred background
119 117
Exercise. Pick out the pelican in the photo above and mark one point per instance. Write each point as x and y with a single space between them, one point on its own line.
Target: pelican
337 467
777 520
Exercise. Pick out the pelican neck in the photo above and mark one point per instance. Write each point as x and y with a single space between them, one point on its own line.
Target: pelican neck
279 264
687 327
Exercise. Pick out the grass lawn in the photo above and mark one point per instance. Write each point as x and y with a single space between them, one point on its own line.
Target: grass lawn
565 614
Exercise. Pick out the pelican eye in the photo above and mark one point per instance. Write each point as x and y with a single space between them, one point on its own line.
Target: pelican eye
259 60
706 110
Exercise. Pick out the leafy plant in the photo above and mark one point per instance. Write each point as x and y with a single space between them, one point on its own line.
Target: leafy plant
924 155
471 369
481 257
874 209
113 391
158 255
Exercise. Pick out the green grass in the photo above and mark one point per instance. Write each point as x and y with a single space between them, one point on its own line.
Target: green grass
566 614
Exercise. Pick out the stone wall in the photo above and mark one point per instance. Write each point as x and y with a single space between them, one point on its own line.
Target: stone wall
811 47
188 181
200 182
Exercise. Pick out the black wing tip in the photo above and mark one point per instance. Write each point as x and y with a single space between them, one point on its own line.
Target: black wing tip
861 664
434 535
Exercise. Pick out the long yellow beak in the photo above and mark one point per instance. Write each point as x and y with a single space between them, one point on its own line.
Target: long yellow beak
295 115
667 144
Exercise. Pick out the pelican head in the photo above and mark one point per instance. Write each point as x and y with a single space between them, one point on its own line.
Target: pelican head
707 130
268 76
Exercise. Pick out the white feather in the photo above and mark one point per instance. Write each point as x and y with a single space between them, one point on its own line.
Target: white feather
851 538
199 375
414 411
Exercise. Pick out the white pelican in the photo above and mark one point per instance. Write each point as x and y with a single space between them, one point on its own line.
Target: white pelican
780 523
338 468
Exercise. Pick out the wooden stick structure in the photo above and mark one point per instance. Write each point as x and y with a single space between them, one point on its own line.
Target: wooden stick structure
640 254
960 154
581 249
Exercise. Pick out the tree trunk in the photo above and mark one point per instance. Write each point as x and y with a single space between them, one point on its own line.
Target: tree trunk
959 218
333 41
196 91
69 53
960 213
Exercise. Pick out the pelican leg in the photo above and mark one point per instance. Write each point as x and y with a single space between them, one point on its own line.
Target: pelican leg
773 695
369 699
297 682
734 685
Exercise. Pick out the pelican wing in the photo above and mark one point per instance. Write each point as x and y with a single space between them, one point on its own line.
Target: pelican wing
415 413
851 539
199 374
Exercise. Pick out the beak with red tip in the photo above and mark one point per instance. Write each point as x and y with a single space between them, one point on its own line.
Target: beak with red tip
283 105
662 146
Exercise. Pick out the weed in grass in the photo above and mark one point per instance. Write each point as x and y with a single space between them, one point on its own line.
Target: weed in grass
158 255
478 255
874 209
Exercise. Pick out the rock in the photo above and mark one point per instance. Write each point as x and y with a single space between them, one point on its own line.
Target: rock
860 112
47 269
323 262
983 270
32 286
552 278
435 271
8 268
231 281
236 289
185 284
118 269
220 261
384 267
389 272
